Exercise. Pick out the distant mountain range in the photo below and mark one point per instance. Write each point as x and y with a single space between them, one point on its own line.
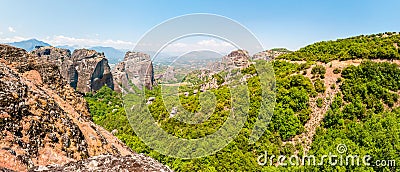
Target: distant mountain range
28 45
71 48
113 55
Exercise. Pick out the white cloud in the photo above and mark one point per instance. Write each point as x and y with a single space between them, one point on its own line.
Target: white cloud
208 44
213 43
13 39
1 33
11 29
85 42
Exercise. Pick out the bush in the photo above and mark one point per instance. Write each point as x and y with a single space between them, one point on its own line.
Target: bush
339 80
318 70
319 102
319 86
336 71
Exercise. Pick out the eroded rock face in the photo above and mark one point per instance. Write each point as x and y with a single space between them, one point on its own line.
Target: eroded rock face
42 119
236 59
93 70
270 54
168 75
138 162
137 69
62 58
53 54
86 70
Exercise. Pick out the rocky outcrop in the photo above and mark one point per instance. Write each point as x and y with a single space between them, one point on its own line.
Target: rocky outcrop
137 162
93 70
136 69
42 119
236 59
86 70
270 54
62 58
168 76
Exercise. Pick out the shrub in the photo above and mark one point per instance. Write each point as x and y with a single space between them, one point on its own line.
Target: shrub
336 71
319 102
319 86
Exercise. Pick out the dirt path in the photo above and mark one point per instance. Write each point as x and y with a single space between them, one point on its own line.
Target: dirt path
317 115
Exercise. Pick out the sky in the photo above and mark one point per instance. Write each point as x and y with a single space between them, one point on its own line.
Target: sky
121 24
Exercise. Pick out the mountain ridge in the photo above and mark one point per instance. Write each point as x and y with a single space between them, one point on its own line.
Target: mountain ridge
29 44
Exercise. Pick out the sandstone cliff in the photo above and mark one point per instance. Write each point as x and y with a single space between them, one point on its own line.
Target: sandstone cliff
42 119
86 70
136 69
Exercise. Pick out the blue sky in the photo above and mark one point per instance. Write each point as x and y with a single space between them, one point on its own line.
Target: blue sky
292 24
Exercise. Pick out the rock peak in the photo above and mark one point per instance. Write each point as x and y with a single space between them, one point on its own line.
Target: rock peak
137 68
236 53
139 56
236 59
80 54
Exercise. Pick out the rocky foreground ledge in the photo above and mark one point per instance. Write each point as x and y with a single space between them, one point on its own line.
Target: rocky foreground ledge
111 163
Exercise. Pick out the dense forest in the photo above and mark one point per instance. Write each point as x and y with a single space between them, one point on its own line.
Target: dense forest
364 115
377 46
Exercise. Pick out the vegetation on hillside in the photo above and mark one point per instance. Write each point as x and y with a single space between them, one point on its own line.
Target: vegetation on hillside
291 112
378 46
363 115
360 120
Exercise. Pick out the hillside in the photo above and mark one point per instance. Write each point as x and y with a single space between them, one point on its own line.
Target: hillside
377 46
319 106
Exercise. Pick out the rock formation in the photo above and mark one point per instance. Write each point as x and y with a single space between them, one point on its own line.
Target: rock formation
270 54
138 162
86 70
236 59
93 70
168 76
136 69
62 58
42 119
